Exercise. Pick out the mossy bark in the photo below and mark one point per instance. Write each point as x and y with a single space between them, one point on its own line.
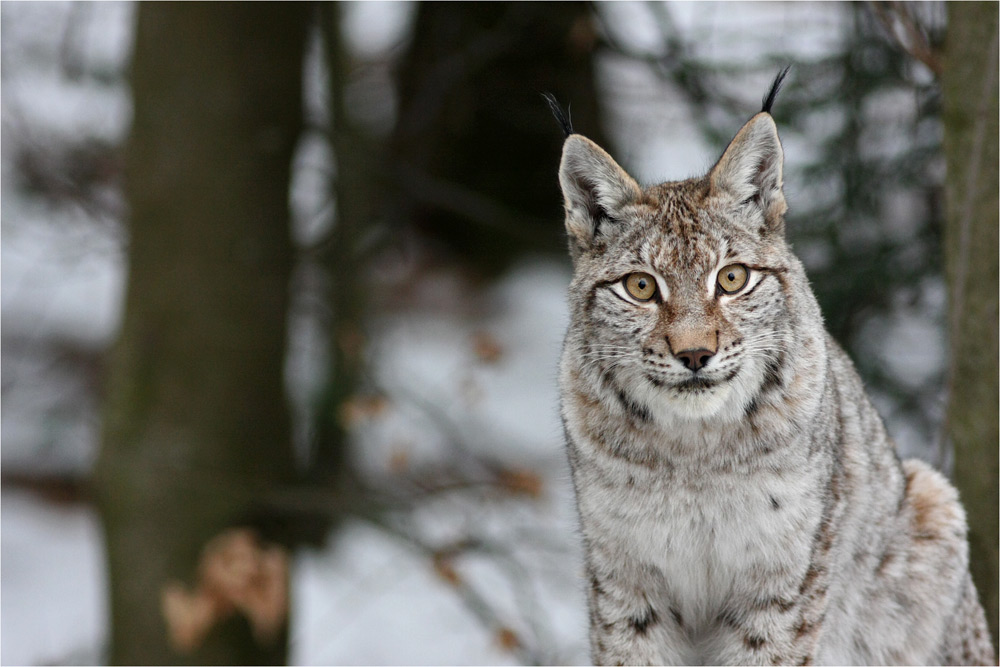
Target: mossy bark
969 86
196 423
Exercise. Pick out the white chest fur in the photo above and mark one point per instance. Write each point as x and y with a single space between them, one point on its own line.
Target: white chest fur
708 535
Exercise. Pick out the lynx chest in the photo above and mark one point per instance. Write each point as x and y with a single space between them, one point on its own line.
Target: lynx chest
704 539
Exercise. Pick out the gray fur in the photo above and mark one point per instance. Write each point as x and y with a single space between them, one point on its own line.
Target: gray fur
753 511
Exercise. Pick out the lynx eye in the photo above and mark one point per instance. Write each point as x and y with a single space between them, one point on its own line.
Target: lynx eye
732 278
641 286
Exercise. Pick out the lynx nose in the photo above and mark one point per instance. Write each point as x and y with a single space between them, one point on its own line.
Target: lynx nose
694 359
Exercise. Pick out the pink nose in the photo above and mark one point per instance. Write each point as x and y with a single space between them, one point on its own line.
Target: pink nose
694 359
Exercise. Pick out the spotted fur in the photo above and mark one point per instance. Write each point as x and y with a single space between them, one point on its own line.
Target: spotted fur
752 511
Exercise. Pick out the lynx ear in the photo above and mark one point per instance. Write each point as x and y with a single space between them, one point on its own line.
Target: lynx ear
594 189
749 172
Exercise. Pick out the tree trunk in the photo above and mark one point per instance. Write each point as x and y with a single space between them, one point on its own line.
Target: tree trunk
475 149
969 86
196 425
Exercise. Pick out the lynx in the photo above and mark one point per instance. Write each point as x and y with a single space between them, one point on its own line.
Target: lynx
739 499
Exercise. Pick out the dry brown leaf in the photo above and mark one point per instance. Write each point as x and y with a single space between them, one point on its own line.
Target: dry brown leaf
445 568
486 347
228 565
189 616
235 572
359 409
508 639
265 601
521 482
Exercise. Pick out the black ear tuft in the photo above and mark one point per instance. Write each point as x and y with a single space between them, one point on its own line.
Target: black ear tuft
565 120
768 100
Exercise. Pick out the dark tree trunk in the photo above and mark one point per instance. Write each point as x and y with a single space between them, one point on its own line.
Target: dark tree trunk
969 86
196 424
475 149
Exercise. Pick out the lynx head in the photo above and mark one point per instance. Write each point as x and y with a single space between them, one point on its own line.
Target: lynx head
686 299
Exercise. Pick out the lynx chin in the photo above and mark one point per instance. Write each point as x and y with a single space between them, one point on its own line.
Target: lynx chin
740 501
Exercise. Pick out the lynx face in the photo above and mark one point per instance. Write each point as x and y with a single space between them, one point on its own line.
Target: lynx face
681 287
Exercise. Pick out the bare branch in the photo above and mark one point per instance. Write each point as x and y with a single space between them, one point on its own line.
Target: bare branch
895 18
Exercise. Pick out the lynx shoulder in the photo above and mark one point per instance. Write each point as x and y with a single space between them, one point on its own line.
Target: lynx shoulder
739 499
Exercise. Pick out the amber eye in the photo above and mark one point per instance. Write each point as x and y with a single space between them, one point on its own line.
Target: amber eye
642 286
732 278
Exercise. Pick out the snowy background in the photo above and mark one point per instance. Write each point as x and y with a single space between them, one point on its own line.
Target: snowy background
369 596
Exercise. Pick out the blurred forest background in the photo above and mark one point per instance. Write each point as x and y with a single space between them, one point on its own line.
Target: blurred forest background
283 293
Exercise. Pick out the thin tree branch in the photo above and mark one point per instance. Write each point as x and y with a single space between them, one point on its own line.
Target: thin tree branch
892 14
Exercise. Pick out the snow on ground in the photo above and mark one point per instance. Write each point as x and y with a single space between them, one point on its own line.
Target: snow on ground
52 607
